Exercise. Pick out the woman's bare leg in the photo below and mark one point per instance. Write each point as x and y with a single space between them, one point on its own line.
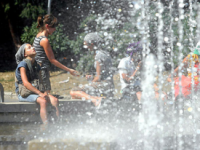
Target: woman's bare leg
43 109
54 102
80 94
139 95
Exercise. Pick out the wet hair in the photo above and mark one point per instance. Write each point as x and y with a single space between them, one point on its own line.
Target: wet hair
47 19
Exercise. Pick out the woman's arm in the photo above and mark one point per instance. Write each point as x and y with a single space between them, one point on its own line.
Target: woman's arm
127 78
98 72
50 55
28 85
184 62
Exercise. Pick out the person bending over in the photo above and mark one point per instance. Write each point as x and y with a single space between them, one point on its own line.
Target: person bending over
45 56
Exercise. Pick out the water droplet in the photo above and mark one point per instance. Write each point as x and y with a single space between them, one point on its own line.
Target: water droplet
181 5
168 49
105 33
178 44
157 14
166 39
176 19
189 109
85 46
137 6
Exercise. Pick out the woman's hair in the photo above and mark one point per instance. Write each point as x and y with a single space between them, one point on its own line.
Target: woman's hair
94 38
47 19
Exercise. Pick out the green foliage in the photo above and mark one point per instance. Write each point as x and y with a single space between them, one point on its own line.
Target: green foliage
116 38
6 7
31 11
29 33
116 33
58 40
86 64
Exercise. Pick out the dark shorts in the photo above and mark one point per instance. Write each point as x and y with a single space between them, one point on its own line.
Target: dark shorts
103 88
46 84
131 90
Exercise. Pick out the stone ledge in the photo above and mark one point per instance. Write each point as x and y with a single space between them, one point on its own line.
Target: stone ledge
29 112
65 104
13 96
69 144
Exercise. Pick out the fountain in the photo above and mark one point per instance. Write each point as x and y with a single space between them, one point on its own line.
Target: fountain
158 124
153 124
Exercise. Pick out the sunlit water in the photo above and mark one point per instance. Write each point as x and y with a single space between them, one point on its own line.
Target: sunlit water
151 124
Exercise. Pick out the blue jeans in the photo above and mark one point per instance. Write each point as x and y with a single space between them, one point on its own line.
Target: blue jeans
30 98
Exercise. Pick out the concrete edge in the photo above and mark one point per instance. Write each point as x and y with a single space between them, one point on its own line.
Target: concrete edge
11 95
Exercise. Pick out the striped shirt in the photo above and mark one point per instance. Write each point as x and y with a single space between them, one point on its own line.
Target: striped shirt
41 56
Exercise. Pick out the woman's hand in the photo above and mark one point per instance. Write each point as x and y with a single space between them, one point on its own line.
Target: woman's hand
89 77
169 79
74 72
44 95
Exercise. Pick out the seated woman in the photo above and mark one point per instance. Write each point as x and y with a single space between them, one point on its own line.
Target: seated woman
102 83
27 73
192 65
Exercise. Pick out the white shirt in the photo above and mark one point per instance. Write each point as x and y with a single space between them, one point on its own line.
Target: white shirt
125 66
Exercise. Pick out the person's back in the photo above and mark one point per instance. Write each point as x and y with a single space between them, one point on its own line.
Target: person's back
41 56
105 61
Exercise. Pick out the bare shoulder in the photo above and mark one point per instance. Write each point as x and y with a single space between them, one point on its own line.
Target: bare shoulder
44 41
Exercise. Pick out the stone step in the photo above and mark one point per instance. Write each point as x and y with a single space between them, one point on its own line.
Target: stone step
70 144
65 105
29 112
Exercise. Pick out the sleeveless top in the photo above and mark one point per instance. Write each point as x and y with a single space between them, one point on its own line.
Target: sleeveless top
41 56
